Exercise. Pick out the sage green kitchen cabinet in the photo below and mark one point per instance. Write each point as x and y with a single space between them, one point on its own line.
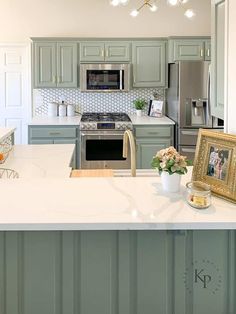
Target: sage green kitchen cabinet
44 64
96 51
189 49
218 58
38 135
149 64
55 64
149 140
107 272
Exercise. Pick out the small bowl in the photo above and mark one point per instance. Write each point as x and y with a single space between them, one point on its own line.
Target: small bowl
198 194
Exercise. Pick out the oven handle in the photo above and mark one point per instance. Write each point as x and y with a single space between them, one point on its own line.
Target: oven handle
103 135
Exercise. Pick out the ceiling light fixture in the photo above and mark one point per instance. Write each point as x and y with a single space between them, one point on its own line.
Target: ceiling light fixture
152 6
189 13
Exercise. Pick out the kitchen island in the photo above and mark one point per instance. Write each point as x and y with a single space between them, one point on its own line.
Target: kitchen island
111 245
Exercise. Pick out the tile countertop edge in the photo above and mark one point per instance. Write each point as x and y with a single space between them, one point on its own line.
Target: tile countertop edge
143 120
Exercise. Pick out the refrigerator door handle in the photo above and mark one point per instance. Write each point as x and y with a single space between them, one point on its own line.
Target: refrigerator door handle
209 122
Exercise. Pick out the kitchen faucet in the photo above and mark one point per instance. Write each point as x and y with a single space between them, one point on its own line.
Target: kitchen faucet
129 135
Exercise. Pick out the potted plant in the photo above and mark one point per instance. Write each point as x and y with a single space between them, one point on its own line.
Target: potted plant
139 105
171 165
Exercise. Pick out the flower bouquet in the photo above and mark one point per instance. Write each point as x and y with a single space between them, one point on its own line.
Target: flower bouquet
170 165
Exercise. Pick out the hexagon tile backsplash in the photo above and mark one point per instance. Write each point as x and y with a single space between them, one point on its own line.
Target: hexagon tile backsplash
93 102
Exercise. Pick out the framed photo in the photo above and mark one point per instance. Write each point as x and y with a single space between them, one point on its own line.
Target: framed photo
155 108
215 162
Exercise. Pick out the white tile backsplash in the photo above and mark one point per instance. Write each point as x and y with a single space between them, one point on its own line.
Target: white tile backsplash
93 102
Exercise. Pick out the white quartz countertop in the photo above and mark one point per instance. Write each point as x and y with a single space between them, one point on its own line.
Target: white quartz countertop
143 120
146 120
5 132
45 120
40 161
114 203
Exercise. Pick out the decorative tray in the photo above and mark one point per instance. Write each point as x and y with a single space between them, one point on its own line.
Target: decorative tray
8 174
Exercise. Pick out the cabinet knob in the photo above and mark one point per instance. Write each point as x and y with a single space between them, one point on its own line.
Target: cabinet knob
201 52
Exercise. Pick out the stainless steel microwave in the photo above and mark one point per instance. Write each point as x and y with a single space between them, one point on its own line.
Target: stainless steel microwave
104 77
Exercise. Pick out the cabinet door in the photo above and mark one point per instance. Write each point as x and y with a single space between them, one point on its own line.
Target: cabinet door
188 50
149 64
117 51
208 50
45 64
92 51
218 57
146 149
66 64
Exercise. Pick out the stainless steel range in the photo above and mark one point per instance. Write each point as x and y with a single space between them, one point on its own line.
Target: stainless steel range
102 140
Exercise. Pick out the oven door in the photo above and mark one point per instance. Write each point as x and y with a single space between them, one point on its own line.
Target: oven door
100 150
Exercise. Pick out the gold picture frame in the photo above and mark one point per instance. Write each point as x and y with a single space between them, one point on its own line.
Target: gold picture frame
215 162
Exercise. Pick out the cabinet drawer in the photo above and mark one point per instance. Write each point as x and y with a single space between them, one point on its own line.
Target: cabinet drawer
52 132
153 132
188 137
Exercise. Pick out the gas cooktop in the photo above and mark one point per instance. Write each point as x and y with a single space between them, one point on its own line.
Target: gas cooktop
105 116
105 121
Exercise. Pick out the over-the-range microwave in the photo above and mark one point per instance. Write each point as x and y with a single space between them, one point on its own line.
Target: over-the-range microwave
104 77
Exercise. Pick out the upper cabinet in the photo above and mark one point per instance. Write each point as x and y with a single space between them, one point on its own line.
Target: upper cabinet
55 64
189 49
149 63
218 58
97 51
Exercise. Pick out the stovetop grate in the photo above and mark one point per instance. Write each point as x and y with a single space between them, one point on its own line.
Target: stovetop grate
104 116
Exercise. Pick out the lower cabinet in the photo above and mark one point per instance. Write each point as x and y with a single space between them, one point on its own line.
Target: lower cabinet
149 140
56 135
108 272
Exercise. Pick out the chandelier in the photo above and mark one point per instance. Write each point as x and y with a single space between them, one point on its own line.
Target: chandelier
153 7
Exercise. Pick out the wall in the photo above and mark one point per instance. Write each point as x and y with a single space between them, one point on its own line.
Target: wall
33 18
230 86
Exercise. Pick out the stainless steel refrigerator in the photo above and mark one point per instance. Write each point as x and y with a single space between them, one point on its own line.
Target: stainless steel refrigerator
188 103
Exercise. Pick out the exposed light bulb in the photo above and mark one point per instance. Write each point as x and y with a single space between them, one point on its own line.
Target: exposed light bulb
189 13
115 3
173 2
124 2
153 7
183 1
134 13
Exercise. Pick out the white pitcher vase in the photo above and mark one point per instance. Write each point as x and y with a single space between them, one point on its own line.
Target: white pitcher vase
170 182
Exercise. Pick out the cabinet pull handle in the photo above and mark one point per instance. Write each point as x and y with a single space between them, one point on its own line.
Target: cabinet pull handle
54 79
201 52
208 52
54 133
153 133
102 52
194 133
134 79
